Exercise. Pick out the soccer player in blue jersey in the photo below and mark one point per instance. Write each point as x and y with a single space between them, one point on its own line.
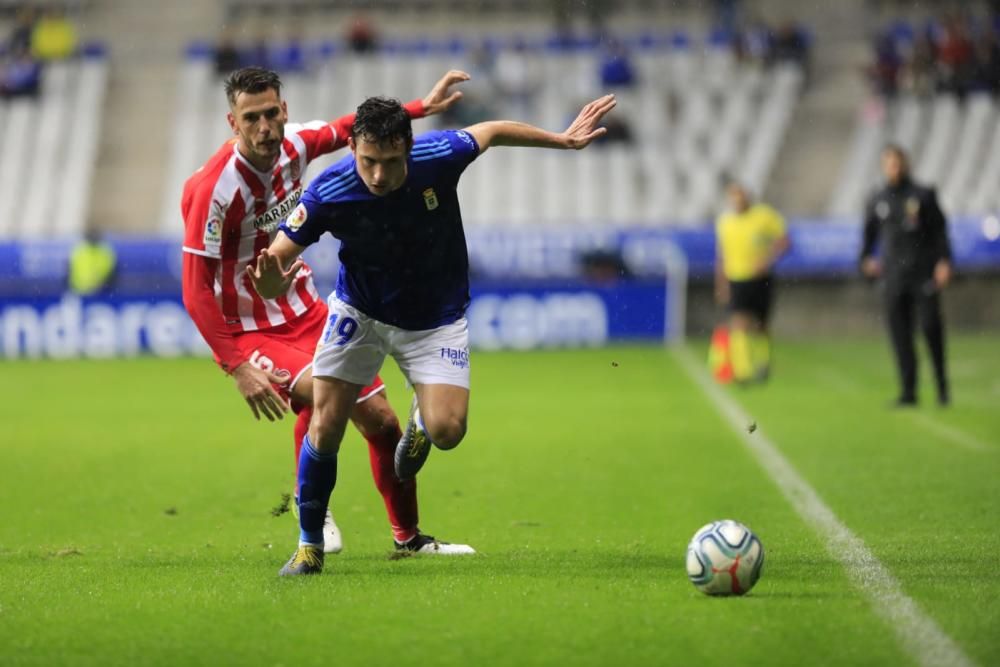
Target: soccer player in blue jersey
403 287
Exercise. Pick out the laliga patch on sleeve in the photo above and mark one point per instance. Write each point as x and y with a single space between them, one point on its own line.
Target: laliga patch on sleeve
213 235
213 227
297 218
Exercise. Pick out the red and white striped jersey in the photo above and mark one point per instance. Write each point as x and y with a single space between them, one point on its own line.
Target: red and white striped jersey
232 212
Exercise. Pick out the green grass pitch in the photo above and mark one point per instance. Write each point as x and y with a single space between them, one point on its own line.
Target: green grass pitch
135 523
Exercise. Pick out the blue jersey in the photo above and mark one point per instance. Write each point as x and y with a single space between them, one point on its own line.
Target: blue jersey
403 255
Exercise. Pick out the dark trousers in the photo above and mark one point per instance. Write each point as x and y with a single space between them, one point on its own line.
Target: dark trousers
904 304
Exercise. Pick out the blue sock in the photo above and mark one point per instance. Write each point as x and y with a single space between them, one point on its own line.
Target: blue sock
317 477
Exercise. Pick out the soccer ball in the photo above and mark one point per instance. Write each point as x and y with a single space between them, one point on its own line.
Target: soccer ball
724 558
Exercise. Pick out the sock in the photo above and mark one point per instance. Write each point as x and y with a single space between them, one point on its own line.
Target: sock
317 477
760 344
301 430
739 350
400 497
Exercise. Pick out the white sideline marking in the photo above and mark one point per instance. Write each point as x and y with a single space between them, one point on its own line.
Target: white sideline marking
952 433
916 632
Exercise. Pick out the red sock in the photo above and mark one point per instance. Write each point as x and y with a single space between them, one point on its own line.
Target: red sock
301 428
400 497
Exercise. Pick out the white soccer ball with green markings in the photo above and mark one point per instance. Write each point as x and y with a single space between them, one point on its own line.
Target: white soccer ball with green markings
724 558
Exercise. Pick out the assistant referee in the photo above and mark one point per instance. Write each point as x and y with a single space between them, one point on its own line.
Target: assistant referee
904 220
750 238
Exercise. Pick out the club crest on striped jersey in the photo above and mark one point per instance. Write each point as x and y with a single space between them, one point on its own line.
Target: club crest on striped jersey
297 217
294 170
430 199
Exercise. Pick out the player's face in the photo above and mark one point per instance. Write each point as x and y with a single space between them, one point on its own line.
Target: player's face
893 166
258 120
738 199
381 166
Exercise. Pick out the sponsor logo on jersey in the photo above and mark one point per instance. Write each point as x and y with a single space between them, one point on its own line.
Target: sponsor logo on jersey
882 209
297 217
464 136
270 219
912 213
430 199
457 357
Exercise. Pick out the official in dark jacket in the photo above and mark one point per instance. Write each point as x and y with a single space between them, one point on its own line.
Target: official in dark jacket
903 220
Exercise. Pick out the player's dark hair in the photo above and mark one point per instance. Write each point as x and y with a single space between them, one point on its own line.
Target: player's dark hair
382 120
251 80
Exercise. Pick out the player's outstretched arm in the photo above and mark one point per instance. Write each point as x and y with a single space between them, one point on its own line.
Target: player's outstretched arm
269 276
441 98
579 134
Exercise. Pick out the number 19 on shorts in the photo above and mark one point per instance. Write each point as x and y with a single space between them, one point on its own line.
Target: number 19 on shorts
339 330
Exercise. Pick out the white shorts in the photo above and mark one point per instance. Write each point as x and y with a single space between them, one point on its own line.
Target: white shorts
353 347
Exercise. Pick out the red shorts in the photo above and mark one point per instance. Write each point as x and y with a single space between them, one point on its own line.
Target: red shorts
290 348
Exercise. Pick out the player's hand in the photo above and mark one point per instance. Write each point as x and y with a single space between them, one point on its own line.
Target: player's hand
440 99
722 292
584 129
269 277
256 387
942 273
871 267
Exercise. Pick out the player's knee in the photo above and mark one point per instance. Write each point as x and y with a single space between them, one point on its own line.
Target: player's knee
447 433
326 430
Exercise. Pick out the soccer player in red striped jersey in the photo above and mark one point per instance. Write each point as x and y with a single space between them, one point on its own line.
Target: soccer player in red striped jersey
232 207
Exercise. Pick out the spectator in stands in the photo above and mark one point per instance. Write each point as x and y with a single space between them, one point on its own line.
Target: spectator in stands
754 43
750 239
986 71
919 75
361 35
92 265
884 74
618 132
616 68
789 44
20 76
227 55
956 57
24 26
259 54
54 37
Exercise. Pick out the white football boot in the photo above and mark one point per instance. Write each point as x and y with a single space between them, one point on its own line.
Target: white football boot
425 544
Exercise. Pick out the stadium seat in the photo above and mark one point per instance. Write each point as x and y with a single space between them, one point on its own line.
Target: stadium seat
939 151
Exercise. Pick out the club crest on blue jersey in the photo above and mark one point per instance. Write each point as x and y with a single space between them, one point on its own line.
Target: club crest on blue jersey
297 217
430 199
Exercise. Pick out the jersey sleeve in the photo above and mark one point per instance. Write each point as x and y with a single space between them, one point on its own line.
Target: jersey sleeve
452 149
305 224
777 225
197 289
203 223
